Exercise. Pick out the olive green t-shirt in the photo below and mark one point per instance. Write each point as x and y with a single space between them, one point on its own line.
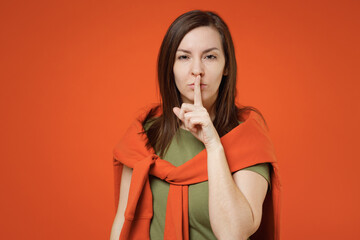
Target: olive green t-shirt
178 153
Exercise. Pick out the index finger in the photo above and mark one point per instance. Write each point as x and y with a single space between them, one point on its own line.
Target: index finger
197 92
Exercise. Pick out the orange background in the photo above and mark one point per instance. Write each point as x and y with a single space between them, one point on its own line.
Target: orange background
75 73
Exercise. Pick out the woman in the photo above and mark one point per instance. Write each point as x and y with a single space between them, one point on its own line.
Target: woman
201 167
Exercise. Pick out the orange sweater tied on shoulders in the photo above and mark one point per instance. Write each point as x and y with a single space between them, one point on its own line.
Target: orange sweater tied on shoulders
246 145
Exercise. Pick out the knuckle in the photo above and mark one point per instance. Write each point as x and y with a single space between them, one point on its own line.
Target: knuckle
184 105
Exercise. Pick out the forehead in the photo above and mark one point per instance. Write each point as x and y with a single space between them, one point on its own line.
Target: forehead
201 38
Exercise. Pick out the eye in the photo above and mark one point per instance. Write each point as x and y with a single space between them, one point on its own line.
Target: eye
182 57
211 56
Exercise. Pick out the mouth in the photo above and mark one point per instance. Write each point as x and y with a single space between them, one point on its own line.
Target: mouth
202 86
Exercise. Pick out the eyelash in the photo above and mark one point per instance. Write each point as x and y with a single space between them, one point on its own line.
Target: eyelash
183 57
212 56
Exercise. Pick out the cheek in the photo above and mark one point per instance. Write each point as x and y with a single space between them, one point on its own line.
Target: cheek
216 73
179 75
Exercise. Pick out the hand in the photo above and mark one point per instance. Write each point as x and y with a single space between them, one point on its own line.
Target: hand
197 120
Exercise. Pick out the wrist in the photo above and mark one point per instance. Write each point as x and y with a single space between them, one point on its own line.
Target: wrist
214 147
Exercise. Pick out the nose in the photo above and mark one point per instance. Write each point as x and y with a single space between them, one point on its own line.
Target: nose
197 68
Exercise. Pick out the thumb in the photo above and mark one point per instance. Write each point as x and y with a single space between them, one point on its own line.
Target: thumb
176 110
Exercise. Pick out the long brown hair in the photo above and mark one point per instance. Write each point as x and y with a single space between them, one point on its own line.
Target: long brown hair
164 127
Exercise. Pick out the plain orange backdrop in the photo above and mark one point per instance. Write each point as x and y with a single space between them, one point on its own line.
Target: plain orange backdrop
75 73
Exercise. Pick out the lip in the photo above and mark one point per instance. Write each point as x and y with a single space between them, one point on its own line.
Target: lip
192 86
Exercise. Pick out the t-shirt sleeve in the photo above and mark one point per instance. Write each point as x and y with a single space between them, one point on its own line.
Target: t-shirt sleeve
263 169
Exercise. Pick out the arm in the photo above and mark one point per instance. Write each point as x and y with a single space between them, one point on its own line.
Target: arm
124 193
235 201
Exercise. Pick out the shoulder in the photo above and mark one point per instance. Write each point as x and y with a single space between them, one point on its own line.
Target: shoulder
142 120
146 115
247 112
251 114
149 123
152 109
263 169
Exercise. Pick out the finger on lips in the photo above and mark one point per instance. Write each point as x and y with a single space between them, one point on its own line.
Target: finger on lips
187 111
197 92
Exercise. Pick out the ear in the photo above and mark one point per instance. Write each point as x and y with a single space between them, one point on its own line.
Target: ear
226 72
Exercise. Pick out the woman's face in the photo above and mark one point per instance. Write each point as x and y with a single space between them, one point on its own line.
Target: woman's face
199 53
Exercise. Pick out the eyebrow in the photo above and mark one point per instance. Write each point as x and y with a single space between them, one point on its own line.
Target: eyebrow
205 51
